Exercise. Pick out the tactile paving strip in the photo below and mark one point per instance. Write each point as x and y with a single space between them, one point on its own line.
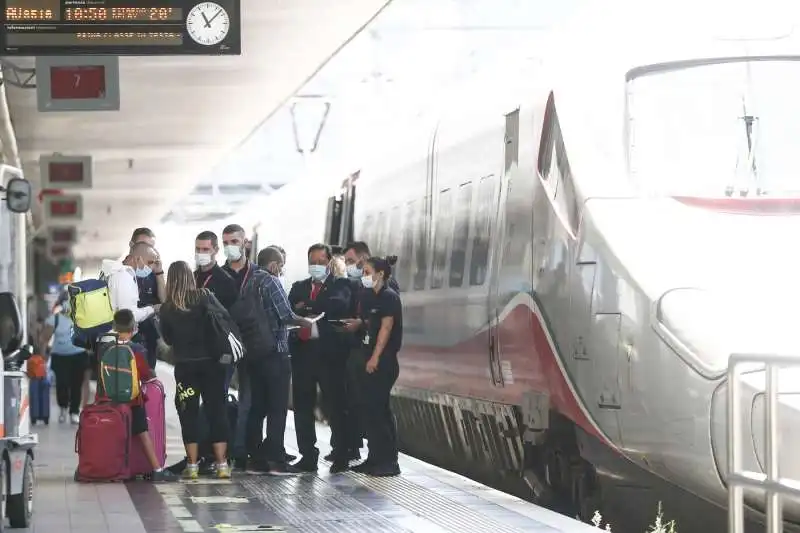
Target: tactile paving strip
434 507
310 504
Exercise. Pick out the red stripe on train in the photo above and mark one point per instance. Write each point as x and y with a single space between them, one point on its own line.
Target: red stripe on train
461 369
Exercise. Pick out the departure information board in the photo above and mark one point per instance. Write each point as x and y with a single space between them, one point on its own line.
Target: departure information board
120 27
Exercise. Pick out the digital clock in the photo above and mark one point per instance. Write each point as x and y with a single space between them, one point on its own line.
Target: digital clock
120 27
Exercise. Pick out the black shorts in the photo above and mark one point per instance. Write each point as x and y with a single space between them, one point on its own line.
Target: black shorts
138 420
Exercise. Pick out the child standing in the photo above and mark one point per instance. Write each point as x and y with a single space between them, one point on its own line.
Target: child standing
124 329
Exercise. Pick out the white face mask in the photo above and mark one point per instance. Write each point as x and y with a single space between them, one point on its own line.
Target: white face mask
367 282
318 272
353 271
233 252
203 259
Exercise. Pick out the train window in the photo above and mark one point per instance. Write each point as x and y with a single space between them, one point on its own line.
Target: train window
444 230
458 254
393 233
407 247
421 266
555 170
479 263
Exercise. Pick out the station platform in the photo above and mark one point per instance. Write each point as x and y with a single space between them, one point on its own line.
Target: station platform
424 499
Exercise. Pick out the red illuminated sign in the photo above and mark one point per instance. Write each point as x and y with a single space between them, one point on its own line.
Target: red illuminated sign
62 235
63 208
78 83
60 172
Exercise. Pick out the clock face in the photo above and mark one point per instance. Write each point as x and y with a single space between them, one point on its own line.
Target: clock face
208 23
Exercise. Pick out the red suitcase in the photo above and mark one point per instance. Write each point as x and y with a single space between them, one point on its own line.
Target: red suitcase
103 443
154 395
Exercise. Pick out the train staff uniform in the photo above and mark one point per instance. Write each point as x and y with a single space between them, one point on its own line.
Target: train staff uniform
209 275
319 357
152 291
384 320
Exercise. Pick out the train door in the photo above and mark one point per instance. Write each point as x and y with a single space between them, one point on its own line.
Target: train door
339 226
499 370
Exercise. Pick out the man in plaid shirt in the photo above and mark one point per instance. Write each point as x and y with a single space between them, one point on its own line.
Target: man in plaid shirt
263 378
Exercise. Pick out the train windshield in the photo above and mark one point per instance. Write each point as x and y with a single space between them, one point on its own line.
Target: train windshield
717 129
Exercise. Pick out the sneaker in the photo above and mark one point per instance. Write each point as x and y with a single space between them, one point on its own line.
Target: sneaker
74 419
191 472
223 471
161 476
282 469
62 416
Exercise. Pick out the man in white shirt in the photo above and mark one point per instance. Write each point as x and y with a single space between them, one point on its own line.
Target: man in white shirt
121 278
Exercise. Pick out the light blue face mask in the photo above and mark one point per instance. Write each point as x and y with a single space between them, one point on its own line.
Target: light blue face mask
353 271
143 272
317 272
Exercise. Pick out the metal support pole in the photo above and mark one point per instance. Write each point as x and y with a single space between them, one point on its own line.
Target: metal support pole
21 263
774 518
735 491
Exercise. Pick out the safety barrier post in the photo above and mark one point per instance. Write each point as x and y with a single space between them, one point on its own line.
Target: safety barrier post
772 484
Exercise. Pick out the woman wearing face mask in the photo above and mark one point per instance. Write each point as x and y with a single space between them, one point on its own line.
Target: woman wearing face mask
383 317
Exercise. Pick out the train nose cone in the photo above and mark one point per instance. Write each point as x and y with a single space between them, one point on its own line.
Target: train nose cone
752 403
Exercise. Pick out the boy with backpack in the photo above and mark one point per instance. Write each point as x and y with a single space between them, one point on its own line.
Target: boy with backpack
122 385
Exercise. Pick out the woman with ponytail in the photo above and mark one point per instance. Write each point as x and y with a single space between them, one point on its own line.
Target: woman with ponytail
384 323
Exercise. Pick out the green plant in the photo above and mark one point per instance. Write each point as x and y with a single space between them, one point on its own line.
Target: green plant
660 526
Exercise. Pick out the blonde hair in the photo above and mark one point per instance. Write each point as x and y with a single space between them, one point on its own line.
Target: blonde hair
182 291
338 266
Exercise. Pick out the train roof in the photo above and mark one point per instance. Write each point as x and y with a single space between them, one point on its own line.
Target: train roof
610 40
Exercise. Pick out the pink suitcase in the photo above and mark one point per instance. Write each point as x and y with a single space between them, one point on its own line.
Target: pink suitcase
154 395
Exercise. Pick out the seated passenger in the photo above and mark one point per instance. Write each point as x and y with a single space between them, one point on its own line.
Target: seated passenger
198 370
124 328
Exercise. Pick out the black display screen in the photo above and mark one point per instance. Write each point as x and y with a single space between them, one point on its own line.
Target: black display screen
120 27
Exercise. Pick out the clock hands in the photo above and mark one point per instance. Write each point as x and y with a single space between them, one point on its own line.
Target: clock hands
205 19
208 22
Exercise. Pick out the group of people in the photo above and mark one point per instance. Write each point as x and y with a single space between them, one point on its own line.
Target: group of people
339 330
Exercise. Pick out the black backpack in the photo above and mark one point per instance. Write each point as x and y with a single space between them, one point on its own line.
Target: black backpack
253 320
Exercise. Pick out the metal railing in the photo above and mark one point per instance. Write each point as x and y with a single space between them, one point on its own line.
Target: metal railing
770 483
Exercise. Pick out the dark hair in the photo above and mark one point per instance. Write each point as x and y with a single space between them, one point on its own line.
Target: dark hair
124 321
383 264
233 228
320 246
142 232
337 250
268 255
280 249
208 236
359 247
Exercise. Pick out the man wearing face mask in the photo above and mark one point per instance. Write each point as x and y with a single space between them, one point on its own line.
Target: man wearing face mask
209 275
355 255
152 291
319 357
121 278
262 313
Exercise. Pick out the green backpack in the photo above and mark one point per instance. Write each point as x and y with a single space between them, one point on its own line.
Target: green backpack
117 372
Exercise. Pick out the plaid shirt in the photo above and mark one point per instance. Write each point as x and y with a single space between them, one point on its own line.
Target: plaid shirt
277 306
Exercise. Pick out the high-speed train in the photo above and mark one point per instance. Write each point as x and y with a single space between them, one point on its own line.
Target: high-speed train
576 271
